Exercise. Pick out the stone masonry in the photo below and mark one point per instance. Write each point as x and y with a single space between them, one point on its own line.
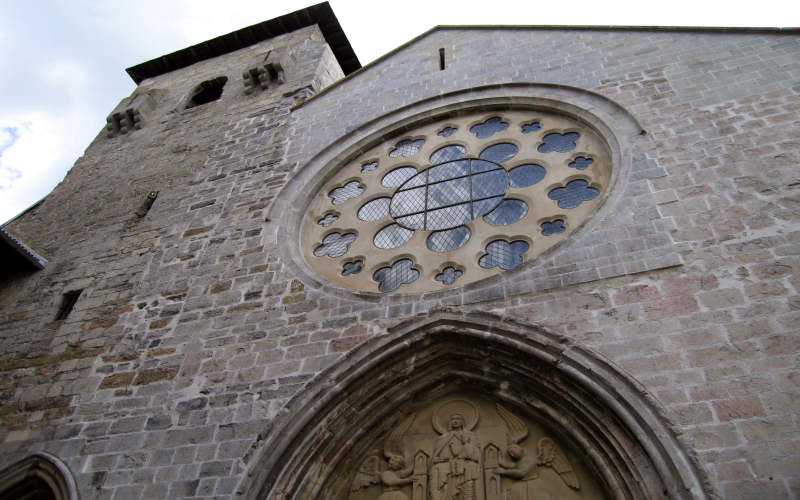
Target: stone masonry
193 330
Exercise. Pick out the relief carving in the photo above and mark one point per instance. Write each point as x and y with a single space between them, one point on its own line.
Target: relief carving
468 449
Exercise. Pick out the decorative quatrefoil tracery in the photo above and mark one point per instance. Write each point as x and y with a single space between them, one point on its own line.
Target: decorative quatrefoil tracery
487 191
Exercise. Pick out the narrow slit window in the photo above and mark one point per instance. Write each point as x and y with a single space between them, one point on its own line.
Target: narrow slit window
68 301
441 58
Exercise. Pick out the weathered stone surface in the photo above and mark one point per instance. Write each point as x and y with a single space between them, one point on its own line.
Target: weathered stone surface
195 332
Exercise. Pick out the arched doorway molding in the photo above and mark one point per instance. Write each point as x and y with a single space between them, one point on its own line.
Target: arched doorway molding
606 413
33 476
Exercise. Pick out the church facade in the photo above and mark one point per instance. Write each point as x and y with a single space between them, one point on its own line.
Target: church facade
496 263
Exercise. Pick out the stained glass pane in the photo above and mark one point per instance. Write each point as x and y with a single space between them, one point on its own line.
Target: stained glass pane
446 218
408 202
556 142
390 278
526 175
448 193
573 194
449 275
507 212
335 245
503 254
392 236
489 127
327 219
553 227
451 239
342 194
354 267
406 148
416 221
499 152
448 170
483 207
375 209
369 167
488 184
398 176
478 166
447 153
418 180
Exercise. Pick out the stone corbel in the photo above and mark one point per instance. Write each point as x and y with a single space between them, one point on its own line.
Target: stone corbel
264 72
130 114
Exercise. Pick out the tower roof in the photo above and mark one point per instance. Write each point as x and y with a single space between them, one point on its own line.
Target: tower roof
320 14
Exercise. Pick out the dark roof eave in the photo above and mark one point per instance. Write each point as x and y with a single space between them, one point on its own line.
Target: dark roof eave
320 14
22 249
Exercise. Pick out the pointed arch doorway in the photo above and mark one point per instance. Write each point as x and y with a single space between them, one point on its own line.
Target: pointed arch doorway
38 477
472 407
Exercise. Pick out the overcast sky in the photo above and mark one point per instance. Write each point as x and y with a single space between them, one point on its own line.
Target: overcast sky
62 62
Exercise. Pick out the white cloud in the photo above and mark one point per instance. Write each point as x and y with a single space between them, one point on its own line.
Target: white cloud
29 166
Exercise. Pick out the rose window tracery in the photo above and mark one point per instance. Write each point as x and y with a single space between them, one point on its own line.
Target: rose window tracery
486 191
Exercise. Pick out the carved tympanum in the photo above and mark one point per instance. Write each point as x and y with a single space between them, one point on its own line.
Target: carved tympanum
469 448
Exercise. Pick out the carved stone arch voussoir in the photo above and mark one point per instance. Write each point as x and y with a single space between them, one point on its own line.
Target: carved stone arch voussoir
325 431
39 476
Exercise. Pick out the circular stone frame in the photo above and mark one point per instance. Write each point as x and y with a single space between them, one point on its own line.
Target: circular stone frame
612 123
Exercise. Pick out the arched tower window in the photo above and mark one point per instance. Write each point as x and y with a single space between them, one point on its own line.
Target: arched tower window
209 90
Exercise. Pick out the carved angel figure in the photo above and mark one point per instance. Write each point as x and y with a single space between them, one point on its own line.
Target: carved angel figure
517 464
395 474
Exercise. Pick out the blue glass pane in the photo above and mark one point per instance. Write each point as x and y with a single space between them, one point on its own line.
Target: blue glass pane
375 209
553 227
573 194
449 275
398 176
507 212
448 193
392 236
483 207
527 128
447 153
451 239
392 277
447 218
483 166
526 175
406 148
335 245
488 127
354 267
581 162
418 180
416 221
446 132
489 184
499 152
448 170
558 142
503 254
408 202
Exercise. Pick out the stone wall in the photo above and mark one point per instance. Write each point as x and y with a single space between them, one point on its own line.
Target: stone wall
196 326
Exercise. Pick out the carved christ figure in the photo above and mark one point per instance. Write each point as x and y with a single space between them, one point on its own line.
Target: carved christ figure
456 466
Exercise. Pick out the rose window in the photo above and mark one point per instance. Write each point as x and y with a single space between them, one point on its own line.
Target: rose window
455 201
